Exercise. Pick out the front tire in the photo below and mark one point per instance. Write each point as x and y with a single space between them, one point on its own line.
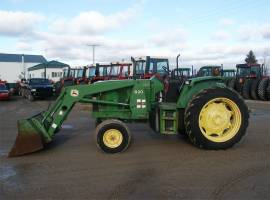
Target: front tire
216 119
112 136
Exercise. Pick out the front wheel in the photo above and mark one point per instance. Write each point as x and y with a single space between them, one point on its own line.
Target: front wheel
112 136
216 118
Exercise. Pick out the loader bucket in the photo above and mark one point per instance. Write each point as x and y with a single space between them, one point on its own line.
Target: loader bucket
28 139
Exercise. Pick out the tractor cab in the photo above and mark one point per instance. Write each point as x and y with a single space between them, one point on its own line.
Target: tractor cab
249 70
71 76
209 71
99 72
71 73
80 75
75 75
120 71
146 67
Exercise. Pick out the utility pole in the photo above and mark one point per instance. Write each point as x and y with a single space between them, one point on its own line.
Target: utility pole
23 66
93 50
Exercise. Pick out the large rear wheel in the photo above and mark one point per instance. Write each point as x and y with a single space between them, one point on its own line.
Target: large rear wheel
112 136
268 91
216 118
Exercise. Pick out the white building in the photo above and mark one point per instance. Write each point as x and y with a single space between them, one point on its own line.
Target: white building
52 70
13 67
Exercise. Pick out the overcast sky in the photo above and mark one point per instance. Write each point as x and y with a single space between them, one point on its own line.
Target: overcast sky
204 32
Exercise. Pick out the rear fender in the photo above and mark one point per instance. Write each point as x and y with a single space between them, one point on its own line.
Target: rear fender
193 86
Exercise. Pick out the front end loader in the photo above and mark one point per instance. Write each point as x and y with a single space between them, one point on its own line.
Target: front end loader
210 114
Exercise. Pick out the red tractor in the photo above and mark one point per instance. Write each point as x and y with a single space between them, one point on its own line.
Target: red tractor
120 71
71 76
146 67
99 72
251 82
102 72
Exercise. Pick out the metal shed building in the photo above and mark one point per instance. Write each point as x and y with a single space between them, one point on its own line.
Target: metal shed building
14 66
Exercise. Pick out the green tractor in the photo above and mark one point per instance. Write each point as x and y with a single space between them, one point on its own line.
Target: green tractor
210 114
209 71
182 72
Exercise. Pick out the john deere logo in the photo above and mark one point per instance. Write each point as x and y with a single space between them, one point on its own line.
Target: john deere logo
74 93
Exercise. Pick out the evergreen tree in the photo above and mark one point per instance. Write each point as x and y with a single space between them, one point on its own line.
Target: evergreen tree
251 58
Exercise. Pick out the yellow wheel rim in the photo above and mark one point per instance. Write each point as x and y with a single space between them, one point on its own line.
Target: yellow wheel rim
220 120
112 138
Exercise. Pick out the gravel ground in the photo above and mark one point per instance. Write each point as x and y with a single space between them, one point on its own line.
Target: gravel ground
154 167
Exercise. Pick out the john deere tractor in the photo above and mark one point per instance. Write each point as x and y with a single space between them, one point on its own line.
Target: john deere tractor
210 114
209 71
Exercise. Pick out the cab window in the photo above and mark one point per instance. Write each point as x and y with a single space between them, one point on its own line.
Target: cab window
162 66
140 67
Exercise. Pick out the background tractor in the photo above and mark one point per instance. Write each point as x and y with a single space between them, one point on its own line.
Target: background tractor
228 75
209 71
99 72
250 81
146 67
183 72
210 114
71 76
120 71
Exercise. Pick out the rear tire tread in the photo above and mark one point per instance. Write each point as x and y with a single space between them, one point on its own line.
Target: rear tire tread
192 109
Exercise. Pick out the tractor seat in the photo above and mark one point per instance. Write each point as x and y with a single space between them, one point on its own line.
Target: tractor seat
173 91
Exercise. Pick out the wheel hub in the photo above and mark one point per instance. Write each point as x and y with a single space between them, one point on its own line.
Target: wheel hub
112 138
220 119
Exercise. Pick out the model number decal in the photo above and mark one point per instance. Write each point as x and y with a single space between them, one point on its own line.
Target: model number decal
138 91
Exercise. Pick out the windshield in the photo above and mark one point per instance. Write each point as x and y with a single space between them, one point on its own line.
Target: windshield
39 81
255 70
114 70
3 87
228 73
72 73
162 66
182 72
92 72
65 71
209 71
205 72
79 73
102 70
140 67
125 71
243 71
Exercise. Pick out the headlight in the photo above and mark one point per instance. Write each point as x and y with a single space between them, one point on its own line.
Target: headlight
33 90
